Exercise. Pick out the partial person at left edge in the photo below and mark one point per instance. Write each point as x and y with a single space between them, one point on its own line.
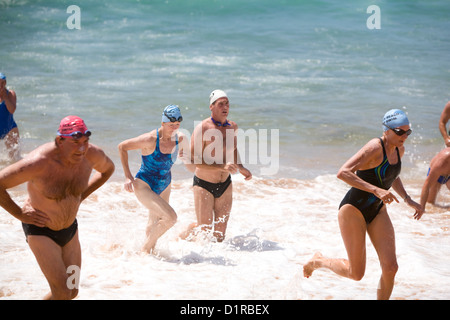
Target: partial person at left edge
58 176
445 117
9 132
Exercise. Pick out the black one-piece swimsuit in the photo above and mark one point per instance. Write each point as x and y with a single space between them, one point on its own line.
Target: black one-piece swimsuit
381 176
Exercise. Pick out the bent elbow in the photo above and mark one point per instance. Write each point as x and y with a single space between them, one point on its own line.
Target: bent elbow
341 174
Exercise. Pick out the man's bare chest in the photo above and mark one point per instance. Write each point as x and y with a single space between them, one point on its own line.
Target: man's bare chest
57 184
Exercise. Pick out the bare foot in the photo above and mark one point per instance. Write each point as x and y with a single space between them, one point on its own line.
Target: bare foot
189 233
311 265
147 250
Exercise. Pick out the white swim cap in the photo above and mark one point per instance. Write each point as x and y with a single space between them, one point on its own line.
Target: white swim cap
215 95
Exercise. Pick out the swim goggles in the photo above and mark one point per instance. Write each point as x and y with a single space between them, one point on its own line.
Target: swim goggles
398 131
76 135
173 119
217 123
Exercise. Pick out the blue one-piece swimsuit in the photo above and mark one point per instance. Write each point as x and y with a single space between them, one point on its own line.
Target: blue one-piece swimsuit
7 122
155 168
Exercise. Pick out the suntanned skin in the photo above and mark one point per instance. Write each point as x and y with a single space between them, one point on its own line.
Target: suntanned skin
58 176
161 215
439 166
445 116
353 226
213 213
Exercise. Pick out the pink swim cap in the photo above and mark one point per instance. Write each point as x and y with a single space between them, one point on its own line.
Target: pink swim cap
71 124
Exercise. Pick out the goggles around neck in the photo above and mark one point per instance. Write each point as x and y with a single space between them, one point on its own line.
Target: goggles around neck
398 131
219 124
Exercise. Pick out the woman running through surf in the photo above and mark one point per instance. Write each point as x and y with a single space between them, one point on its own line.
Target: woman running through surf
371 172
152 183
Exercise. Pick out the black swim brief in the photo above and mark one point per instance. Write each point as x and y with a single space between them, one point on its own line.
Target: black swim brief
61 237
216 189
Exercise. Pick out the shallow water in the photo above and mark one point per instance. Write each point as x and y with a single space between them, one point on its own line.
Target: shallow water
309 69
275 227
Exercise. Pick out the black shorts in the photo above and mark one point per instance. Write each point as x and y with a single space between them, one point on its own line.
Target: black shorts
61 237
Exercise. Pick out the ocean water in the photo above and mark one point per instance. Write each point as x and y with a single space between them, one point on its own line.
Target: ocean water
307 79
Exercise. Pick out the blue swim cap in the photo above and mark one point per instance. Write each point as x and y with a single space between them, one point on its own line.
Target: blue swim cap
2 76
171 113
395 118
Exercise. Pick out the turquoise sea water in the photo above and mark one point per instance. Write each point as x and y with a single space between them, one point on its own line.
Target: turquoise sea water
311 69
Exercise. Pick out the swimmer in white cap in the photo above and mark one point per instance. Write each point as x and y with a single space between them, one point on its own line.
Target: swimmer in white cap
212 179
371 172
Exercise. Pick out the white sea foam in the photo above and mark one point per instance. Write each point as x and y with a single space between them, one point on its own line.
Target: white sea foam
310 69
275 227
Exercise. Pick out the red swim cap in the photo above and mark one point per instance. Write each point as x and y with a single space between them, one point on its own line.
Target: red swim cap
72 124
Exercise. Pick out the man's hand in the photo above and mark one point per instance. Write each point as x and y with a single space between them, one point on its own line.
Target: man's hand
246 173
231 168
33 216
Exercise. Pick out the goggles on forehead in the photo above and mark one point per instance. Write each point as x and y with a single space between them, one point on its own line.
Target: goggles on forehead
173 119
76 135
